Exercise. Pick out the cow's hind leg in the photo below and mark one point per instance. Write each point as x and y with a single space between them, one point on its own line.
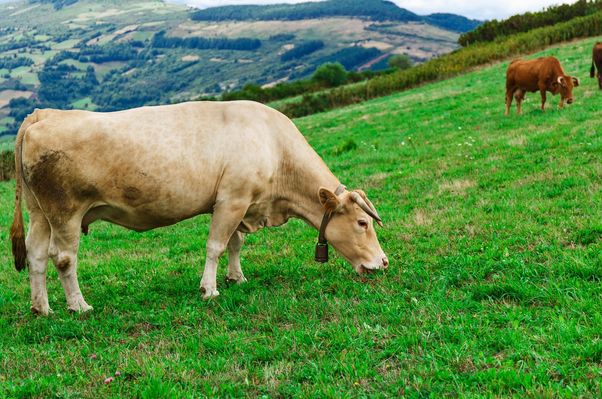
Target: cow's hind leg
64 243
36 242
519 96
225 221
234 270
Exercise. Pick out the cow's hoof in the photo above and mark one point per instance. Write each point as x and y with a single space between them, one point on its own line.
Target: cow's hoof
41 310
236 279
80 307
209 293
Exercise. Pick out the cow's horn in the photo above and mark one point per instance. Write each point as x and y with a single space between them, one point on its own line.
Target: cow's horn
560 79
367 208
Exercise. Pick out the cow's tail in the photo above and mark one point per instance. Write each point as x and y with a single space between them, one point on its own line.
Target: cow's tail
17 231
592 71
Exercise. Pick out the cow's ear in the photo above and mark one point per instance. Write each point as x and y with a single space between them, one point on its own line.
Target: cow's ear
329 200
575 81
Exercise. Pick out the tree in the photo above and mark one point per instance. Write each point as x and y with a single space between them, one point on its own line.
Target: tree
400 61
330 75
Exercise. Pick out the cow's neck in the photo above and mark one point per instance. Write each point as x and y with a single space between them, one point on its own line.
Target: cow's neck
299 187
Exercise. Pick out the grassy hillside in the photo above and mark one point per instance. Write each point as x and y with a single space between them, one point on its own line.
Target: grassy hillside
492 226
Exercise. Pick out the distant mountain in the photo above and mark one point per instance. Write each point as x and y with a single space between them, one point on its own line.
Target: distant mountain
375 10
456 23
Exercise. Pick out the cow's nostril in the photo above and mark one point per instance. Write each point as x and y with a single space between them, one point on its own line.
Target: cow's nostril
385 262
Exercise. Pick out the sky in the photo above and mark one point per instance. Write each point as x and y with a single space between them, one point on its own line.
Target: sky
478 9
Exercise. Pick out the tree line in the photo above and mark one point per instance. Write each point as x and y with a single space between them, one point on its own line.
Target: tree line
14 62
301 50
57 4
327 75
375 10
160 40
495 29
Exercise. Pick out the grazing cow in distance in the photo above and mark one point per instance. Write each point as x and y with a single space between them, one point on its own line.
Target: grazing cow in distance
597 63
541 74
148 167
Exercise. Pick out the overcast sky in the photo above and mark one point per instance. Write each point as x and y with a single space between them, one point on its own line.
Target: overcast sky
479 9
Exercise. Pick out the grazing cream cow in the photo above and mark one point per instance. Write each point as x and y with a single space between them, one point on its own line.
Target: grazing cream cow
541 74
155 166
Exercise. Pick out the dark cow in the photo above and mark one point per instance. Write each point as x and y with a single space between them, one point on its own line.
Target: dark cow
597 63
543 74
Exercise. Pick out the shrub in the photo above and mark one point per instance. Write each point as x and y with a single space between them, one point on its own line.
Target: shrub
494 29
7 165
400 61
330 75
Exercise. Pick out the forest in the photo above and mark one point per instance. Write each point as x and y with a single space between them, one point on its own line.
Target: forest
376 10
301 50
495 29
160 40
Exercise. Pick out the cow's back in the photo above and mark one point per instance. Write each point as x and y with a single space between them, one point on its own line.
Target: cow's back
159 162
529 74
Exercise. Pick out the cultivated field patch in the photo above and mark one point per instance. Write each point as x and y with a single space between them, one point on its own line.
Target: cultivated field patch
7 95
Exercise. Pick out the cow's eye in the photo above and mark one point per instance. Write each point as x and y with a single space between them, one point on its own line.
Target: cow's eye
363 224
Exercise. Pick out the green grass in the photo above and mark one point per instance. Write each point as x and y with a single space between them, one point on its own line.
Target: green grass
84 103
494 233
42 57
6 143
65 45
25 75
7 120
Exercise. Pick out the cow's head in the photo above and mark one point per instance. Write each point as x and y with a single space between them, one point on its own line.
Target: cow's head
564 85
351 229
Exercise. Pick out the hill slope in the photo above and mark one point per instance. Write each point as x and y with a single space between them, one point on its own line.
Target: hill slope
492 226
103 54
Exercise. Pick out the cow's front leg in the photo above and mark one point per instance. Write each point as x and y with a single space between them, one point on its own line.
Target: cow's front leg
543 98
225 221
508 101
36 242
235 274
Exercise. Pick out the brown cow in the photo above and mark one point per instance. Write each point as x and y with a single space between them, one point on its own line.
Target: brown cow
543 74
597 63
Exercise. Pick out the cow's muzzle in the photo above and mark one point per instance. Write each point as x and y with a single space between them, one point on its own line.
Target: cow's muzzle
384 263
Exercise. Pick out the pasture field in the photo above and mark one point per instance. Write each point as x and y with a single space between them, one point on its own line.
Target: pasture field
493 227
